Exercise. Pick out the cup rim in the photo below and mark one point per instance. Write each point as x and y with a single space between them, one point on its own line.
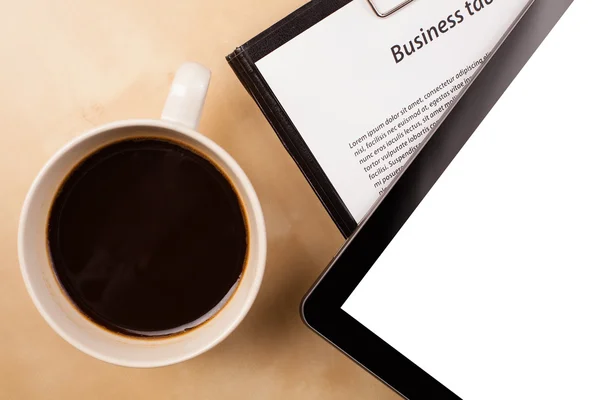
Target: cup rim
254 205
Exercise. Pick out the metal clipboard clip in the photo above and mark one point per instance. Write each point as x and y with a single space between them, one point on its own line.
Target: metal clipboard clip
389 12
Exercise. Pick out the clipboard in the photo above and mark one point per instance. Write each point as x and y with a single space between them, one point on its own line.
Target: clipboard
244 61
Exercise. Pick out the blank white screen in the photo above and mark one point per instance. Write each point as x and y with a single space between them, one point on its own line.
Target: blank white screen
493 285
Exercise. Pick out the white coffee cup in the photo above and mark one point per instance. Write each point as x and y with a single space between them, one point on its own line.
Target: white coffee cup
179 120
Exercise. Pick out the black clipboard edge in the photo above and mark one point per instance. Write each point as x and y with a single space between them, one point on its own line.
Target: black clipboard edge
242 61
292 141
291 26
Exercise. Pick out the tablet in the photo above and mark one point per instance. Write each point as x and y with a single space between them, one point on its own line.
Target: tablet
478 274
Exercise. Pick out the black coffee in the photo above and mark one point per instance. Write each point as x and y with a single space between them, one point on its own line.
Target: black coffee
147 237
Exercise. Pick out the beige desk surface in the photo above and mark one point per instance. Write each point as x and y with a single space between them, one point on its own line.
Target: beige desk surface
69 65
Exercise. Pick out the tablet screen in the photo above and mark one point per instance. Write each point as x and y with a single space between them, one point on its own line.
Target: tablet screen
493 284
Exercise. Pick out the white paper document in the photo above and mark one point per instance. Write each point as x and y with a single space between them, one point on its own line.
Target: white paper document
364 92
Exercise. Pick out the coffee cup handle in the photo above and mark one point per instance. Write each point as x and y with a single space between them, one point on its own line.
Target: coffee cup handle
187 95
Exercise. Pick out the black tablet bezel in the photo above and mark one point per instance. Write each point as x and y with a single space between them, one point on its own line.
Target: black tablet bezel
321 308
